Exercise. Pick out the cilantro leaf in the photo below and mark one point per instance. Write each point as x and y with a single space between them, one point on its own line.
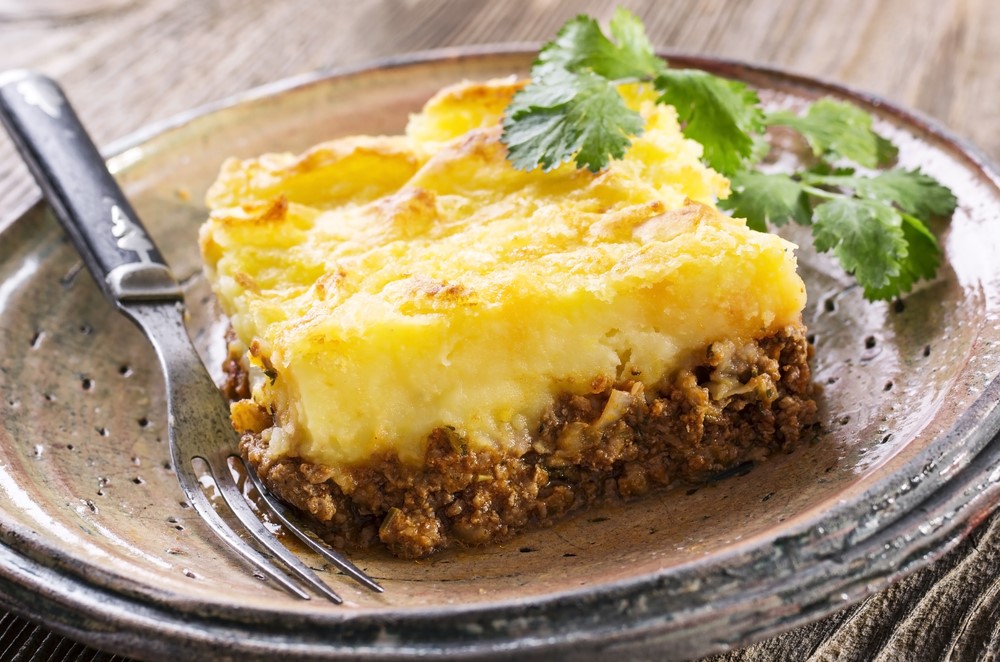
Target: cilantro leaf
885 151
840 130
634 46
581 44
866 237
723 115
767 198
923 256
561 114
911 190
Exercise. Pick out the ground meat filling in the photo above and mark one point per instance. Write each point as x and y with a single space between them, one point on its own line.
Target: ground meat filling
738 404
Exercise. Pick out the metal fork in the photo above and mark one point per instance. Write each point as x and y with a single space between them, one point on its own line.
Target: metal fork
133 275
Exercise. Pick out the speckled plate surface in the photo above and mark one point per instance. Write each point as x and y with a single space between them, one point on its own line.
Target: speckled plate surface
98 543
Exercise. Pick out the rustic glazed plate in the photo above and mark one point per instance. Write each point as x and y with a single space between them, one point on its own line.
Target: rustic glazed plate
98 543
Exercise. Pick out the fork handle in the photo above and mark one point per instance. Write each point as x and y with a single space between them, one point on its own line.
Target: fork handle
82 194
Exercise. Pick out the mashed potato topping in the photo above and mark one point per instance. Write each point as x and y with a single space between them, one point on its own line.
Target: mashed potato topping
384 287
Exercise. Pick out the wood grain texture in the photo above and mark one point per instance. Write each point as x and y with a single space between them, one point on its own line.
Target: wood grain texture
150 59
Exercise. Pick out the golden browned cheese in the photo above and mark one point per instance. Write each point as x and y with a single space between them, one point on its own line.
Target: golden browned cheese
388 286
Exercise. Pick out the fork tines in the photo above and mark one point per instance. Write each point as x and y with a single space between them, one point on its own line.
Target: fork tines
218 470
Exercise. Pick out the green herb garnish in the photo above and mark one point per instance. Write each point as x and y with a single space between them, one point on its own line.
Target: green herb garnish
877 225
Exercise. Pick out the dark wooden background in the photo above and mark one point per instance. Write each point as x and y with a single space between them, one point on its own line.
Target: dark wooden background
127 63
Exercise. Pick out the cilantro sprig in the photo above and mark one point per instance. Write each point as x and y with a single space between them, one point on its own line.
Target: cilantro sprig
875 225
872 217
572 110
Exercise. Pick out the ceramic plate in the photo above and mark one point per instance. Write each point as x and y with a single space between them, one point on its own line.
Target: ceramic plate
98 543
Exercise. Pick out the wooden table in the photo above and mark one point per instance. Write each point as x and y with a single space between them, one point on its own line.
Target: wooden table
139 61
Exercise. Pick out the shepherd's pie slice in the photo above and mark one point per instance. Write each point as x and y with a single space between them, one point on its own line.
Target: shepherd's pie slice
430 346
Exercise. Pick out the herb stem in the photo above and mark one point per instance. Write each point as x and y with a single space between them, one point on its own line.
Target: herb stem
632 79
822 193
